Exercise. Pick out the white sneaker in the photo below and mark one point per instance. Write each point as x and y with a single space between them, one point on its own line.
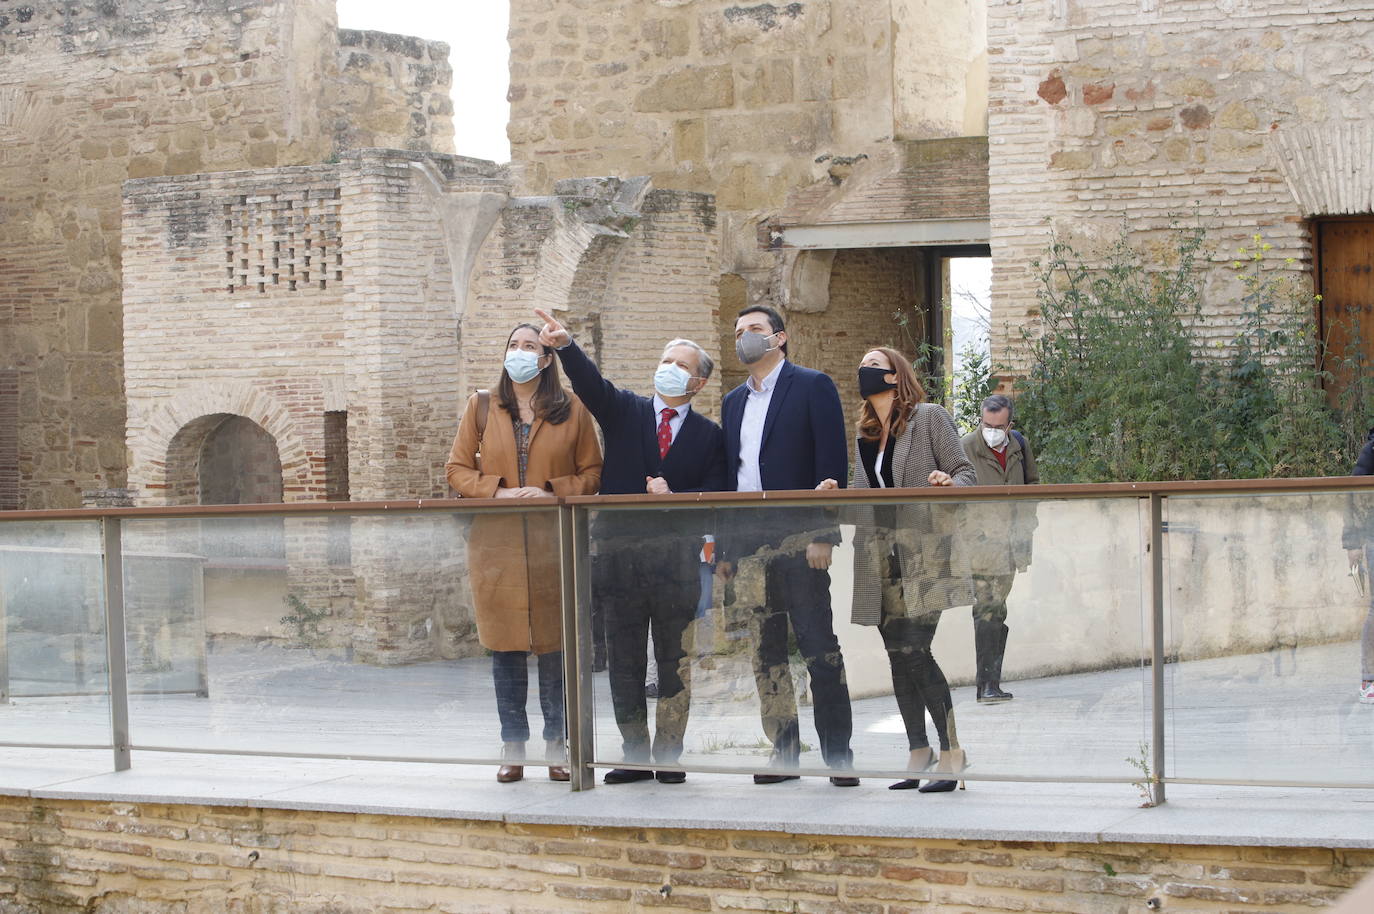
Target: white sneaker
1367 693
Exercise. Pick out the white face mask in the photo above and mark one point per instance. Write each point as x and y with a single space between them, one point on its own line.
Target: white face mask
521 365
995 437
671 380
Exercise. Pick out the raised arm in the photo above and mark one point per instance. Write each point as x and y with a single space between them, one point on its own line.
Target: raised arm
595 392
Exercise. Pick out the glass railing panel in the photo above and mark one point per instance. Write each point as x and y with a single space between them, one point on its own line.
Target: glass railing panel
54 679
764 649
1269 637
363 635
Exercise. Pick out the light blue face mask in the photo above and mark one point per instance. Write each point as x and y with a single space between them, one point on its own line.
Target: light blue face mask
521 365
671 380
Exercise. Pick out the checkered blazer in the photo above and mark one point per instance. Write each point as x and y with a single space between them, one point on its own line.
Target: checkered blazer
935 568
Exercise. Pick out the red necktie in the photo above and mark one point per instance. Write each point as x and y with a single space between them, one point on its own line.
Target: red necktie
665 431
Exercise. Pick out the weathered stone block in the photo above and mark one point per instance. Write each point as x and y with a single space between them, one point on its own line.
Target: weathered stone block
689 89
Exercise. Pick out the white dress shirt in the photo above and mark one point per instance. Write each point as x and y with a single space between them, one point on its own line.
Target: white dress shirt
675 423
748 478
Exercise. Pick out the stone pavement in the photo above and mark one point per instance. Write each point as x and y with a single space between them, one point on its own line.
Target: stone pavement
1284 716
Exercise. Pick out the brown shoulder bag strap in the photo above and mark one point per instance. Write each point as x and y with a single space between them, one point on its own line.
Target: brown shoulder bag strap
483 407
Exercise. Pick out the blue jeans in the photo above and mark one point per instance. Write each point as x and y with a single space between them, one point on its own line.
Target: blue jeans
510 670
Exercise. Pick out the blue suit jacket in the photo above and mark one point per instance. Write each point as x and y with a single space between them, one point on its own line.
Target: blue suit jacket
804 442
695 462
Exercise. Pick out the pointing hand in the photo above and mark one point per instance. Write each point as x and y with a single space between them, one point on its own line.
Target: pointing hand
554 334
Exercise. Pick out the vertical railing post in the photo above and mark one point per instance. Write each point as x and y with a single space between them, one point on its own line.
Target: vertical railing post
1156 550
112 561
574 565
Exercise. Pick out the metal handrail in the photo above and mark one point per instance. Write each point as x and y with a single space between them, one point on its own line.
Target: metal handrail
574 540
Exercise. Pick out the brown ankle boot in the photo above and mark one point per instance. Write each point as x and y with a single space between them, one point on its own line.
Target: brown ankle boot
511 755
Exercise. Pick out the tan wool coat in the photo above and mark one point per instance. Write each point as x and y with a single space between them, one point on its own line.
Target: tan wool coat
935 572
512 558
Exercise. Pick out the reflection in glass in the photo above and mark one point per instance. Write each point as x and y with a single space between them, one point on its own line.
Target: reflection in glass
1267 629
319 634
54 681
1076 651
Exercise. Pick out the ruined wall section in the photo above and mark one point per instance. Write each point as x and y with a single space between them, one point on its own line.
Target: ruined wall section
665 287
234 302
391 91
92 94
712 97
1119 113
624 266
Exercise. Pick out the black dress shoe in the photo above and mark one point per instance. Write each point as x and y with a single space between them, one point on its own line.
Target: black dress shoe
908 784
670 777
627 776
844 780
775 778
992 692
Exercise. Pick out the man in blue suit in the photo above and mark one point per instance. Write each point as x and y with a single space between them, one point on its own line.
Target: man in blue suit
784 429
646 573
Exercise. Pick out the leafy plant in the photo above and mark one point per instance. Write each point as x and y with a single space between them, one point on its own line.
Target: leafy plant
1146 784
303 619
1127 384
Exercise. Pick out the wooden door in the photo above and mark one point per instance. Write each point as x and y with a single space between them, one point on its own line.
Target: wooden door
1345 281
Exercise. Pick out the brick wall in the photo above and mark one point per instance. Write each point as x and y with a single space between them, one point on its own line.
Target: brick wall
9 439
869 287
65 857
94 94
1105 112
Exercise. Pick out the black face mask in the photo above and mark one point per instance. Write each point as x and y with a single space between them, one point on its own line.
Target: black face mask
872 381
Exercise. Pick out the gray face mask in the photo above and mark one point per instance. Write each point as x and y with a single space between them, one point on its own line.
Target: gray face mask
751 346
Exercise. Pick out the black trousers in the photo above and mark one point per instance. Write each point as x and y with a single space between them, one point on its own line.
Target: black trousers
799 595
642 586
917 680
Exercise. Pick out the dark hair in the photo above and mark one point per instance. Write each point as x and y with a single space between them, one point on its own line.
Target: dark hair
996 403
550 401
774 320
909 392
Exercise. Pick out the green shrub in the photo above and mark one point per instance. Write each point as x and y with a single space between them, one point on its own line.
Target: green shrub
1122 386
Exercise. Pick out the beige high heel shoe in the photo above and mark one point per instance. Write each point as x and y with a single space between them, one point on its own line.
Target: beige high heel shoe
952 761
920 760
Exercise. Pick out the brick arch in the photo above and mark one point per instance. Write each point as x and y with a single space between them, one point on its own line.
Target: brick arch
175 431
1326 167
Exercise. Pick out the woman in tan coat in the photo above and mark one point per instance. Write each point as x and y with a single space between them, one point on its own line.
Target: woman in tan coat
539 440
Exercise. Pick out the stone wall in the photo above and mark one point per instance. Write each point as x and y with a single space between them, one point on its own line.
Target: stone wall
392 90
94 94
628 266
746 102
88 857
1106 113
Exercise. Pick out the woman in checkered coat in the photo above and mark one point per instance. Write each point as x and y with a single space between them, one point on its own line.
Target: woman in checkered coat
908 560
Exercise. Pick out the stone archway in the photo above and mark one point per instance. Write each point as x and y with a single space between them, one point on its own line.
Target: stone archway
239 465
165 442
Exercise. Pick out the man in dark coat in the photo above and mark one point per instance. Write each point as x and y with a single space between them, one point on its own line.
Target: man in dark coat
784 429
645 575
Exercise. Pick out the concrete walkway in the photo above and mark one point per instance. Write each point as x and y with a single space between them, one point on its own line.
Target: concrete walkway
1284 716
